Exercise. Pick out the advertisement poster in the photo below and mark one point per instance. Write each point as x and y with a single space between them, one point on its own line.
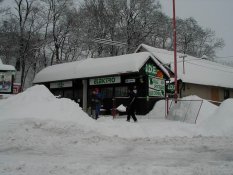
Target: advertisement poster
156 87
6 82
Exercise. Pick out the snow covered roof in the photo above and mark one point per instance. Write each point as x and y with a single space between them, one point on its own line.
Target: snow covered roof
6 67
196 70
93 67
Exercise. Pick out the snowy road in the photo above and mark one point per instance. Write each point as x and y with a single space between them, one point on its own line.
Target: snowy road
46 147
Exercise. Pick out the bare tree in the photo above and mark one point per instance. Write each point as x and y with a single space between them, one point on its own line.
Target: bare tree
29 26
57 18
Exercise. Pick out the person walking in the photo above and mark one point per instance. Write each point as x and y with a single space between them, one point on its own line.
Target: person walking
93 104
131 108
98 100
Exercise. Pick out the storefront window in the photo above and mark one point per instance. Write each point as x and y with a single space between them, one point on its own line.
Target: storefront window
57 92
226 93
121 91
107 92
68 93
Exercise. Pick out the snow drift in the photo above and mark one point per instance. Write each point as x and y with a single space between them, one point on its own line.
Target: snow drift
38 102
221 122
206 110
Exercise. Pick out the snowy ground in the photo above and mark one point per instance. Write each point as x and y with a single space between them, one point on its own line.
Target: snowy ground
34 141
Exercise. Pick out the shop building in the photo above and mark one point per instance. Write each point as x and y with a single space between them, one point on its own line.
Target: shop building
196 76
113 76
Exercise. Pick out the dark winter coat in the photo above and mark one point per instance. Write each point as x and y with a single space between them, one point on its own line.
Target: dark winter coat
96 100
132 102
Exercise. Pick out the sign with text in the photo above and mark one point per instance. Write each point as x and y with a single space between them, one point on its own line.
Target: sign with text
130 80
171 88
156 87
6 82
105 80
150 69
61 84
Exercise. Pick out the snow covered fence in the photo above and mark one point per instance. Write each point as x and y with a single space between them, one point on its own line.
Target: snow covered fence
185 110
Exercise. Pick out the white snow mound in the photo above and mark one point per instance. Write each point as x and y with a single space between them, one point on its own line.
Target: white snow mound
221 122
207 109
38 102
158 110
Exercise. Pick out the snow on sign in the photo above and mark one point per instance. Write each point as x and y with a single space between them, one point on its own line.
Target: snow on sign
156 87
105 80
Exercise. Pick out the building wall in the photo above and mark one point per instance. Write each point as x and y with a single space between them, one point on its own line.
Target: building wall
194 89
205 92
231 93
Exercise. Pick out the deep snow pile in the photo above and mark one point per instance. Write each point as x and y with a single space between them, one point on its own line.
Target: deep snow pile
187 110
38 102
221 122
158 111
206 110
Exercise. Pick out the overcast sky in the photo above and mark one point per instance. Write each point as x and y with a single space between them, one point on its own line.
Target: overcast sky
214 14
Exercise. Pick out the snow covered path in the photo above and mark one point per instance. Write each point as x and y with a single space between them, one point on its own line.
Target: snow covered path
50 147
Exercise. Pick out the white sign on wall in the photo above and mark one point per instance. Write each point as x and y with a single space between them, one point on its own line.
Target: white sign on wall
105 80
61 84
130 80
156 87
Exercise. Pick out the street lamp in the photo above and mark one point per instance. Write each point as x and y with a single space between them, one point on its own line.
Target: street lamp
175 54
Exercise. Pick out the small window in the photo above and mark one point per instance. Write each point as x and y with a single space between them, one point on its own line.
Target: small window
107 92
57 92
226 93
68 93
121 91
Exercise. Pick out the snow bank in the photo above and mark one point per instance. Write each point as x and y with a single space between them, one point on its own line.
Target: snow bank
38 102
158 110
207 109
221 122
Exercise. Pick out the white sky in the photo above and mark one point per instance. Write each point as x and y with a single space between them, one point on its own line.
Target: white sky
214 14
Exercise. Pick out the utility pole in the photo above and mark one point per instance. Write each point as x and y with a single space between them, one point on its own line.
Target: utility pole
175 54
183 56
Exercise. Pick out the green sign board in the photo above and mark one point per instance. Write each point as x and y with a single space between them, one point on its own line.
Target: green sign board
156 87
105 80
150 69
171 87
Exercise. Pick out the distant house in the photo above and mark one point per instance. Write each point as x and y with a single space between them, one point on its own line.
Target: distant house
197 76
7 73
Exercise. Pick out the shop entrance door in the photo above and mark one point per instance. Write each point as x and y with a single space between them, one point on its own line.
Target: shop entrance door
215 94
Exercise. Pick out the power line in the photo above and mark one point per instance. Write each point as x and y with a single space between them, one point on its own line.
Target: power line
109 42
